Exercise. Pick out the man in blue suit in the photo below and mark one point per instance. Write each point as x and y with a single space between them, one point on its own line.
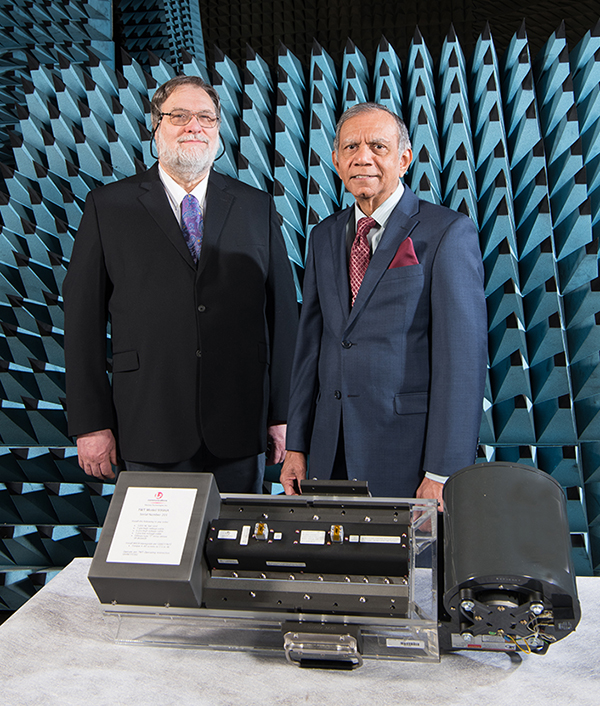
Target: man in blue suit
389 369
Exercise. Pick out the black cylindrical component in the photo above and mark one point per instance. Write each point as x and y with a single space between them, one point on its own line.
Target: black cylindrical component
506 530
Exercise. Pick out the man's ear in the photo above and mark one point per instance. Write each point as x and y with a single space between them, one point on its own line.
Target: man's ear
405 161
334 159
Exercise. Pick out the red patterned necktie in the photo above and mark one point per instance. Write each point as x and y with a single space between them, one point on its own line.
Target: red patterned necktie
192 224
360 254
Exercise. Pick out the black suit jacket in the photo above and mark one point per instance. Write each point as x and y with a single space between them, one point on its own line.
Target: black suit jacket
197 352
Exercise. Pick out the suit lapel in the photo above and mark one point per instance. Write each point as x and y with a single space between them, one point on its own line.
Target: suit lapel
218 204
156 202
400 224
339 258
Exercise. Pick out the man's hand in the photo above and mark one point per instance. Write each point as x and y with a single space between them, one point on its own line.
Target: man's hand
275 444
431 489
97 451
293 471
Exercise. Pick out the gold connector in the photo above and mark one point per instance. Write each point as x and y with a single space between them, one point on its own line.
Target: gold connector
336 533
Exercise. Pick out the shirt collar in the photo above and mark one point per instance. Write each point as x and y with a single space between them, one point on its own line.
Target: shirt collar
382 213
175 192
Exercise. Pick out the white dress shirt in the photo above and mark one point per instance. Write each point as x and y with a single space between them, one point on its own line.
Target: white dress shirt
381 214
175 192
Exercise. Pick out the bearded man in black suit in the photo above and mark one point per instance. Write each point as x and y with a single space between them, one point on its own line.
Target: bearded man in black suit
190 270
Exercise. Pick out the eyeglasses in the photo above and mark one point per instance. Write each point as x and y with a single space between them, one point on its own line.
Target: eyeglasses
183 117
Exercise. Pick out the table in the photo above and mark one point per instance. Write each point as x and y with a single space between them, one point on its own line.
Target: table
59 650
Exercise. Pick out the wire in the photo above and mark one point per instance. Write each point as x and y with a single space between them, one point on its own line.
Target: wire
510 638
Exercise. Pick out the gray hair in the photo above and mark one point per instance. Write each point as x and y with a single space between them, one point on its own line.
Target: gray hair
403 137
163 92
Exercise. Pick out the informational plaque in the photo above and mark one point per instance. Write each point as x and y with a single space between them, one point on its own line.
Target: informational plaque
153 526
151 550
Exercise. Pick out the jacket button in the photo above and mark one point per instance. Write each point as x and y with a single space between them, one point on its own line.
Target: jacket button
338 395
201 308
198 354
347 344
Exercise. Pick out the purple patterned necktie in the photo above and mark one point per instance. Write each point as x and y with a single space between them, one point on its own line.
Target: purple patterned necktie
360 254
192 224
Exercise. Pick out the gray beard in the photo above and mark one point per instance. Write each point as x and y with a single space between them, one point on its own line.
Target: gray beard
186 164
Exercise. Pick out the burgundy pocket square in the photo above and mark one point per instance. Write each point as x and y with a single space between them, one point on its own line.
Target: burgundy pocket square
405 255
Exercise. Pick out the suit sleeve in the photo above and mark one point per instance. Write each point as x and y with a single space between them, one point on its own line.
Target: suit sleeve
282 320
304 384
458 351
86 291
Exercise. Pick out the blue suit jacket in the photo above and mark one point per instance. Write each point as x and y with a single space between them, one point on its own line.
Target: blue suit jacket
405 367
